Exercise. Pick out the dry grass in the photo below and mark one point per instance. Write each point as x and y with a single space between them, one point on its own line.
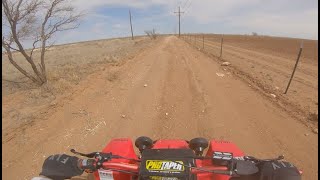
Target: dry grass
313 117
67 66
112 76
62 85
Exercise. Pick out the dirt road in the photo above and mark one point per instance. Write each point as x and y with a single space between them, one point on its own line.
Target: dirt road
183 98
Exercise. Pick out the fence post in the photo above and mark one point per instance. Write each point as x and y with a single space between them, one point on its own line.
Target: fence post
221 47
195 41
295 66
202 41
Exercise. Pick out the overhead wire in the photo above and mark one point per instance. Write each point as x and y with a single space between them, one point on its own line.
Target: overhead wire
187 3
184 5
186 9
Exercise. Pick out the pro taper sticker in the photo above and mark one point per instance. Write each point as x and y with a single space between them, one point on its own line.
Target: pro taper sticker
161 165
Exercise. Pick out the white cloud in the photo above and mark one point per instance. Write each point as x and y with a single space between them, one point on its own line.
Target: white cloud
282 17
207 11
117 26
140 4
302 24
293 18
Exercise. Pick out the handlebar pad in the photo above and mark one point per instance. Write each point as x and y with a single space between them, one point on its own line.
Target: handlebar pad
60 167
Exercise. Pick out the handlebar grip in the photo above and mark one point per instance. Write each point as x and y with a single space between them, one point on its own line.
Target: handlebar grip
87 165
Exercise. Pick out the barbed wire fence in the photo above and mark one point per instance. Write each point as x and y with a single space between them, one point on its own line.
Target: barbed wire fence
213 44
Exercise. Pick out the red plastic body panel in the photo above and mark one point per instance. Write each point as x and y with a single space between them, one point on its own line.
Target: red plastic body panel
122 147
171 144
222 146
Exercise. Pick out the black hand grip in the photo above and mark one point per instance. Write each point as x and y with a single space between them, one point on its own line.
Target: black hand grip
87 165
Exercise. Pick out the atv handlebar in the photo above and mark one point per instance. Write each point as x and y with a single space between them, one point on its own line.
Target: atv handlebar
90 166
236 168
101 161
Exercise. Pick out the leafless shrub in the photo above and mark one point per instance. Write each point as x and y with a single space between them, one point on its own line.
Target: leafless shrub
151 33
254 34
34 21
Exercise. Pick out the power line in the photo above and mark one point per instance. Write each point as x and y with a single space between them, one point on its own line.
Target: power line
179 14
177 3
185 3
186 9
188 4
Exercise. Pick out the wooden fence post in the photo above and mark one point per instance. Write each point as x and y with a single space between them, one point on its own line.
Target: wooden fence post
221 47
202 41
295 66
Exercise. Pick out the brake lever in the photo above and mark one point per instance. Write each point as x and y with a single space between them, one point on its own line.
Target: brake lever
90 155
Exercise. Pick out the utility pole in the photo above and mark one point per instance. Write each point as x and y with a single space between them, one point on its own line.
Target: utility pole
179 14
131 25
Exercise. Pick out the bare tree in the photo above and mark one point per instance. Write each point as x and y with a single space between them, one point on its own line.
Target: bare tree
152 34
254 34
34 21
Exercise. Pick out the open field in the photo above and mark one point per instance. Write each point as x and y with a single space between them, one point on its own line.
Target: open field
97 92
268 62
77 59
67 66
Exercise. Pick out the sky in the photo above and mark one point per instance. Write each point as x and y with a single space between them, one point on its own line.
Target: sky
110 18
